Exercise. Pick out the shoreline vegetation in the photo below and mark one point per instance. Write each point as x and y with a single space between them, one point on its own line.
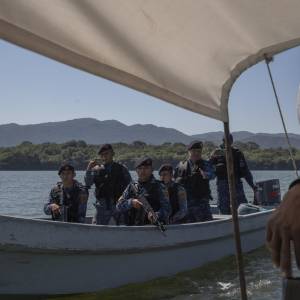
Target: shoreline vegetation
49 156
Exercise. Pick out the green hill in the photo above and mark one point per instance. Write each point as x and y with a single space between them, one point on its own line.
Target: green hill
49 156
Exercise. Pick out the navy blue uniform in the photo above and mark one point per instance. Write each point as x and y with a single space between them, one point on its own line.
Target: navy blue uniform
178 201
110 181
195 179
154 193
72 202
241 170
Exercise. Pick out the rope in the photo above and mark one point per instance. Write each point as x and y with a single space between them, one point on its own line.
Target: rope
268 60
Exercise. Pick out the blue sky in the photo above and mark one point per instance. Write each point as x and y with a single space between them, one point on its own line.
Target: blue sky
35 89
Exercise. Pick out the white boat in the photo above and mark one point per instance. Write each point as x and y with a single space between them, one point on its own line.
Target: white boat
188 53
46 257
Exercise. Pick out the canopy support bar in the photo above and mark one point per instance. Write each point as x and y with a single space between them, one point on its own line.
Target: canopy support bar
232 193
268 60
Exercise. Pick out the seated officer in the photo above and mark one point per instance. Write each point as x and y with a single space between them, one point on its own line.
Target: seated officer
194 174
68 198
146 187
110 179
177 195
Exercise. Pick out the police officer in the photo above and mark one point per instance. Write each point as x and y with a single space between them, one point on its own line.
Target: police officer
151 189
194 174
110 179
68 199
177 195
241 170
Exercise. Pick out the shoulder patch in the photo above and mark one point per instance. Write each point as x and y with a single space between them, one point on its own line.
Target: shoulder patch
57 187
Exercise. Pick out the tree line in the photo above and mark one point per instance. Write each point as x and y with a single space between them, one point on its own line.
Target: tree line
49 156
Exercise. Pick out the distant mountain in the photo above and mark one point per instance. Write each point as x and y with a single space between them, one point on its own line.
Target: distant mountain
264 140
267 140
90 130
93 131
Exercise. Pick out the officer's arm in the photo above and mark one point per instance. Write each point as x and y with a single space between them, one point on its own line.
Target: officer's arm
83 199
125 201
182 198
165 208
212 157
248 175
177 176
89 177
209 170
51 200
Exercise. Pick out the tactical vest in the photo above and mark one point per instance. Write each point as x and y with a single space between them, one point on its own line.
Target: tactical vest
238 162
152 188
69 200
196 186
173 198
110 185
153 193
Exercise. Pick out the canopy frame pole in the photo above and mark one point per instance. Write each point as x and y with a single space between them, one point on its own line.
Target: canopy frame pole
232 193
269 59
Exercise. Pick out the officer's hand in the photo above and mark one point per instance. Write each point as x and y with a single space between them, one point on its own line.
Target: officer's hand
91 165
283 227
136 203
54 208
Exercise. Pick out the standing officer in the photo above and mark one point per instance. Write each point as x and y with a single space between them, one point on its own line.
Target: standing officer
241 170
177 195
147 187
68 199
194 174
110 179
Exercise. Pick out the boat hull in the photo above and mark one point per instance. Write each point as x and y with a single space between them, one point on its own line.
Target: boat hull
91 258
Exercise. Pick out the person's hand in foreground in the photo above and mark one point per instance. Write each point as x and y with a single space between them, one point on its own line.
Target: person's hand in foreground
284 227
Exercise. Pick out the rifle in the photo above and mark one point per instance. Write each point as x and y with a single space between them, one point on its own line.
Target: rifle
63 215
63 206
141 196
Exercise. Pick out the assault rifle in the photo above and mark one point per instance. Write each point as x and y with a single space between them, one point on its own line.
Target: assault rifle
64 207
141 196
62 215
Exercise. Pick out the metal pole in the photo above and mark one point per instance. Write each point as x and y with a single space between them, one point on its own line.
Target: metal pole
268 60
232 193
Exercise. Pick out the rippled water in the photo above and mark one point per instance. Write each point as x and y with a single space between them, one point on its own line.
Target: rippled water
23 193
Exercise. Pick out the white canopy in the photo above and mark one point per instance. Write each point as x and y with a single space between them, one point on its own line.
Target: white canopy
187 52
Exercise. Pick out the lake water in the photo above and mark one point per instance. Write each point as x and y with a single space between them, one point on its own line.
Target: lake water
23 193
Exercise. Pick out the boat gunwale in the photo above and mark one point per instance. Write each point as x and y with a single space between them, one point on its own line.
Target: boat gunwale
21 247
12 248
169 227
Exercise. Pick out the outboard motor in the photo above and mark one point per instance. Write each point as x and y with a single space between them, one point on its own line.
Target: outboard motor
268 193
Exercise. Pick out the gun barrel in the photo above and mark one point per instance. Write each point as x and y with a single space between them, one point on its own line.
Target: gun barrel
148 208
